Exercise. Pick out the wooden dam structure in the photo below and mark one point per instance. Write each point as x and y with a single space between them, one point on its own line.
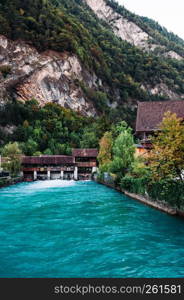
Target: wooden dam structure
79 166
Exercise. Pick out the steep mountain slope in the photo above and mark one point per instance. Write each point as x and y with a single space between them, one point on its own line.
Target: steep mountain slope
91 56
49 76
139 31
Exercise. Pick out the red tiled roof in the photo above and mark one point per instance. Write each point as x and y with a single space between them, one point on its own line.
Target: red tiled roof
150 114
85 152
47 159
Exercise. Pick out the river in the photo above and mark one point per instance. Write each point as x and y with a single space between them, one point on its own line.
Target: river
83 229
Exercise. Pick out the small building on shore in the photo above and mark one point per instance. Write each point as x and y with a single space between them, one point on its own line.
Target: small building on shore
81 165
150 116
85 161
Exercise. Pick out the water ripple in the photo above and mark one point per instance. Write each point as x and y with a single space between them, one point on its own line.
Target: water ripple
81 229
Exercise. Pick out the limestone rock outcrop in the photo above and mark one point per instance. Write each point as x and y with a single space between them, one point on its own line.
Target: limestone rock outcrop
48 77
126 29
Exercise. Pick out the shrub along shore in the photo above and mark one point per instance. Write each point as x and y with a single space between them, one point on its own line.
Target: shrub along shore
6 181
155 178
160 205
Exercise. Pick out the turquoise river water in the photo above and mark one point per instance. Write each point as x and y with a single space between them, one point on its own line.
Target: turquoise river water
82 229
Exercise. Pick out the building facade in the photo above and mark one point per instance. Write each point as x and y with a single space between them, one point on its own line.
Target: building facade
150 115
81 165
86 162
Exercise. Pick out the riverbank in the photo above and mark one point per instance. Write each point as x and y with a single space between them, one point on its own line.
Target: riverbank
7 181
156 204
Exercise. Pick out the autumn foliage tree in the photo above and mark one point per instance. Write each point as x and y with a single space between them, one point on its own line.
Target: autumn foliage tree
105 152
167 157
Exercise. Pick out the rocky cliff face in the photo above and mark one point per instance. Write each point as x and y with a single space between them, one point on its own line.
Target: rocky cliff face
47 77
126 29
53 77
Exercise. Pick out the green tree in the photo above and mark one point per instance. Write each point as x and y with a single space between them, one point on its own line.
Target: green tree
119 128
167 156
89 138
139 169
12 154
30 147
37 153
48 152
123 151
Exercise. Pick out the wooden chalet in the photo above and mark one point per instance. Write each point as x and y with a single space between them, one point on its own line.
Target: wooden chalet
150 115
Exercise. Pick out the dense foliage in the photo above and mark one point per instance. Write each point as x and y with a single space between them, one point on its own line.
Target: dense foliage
169 191
158 175
116 153
167 156
123 152
50 129
12 154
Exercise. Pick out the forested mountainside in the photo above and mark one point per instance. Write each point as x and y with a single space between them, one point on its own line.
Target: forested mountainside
91 56
149 35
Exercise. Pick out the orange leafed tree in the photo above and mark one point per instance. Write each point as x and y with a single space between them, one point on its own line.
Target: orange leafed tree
105 153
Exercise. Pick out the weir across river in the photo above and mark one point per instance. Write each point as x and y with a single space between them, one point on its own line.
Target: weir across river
81 165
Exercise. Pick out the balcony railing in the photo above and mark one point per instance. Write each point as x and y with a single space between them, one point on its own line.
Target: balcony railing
44 169
86 164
